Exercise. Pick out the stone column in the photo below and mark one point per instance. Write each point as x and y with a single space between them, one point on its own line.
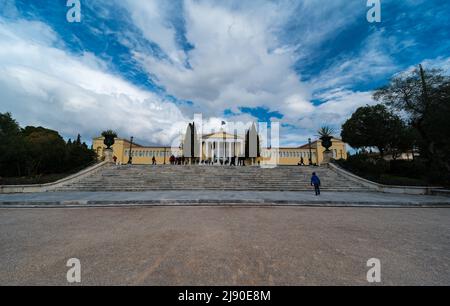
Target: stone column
108 154
327 157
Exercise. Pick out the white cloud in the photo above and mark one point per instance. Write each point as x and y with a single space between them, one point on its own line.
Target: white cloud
239 61
441 63
372 60
44 85
243 57
151 17
232 64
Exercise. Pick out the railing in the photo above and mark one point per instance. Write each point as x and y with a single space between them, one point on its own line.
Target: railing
51 186
415 190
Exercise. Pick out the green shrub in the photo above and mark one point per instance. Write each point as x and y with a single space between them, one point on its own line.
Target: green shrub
363 164
398 172
408 168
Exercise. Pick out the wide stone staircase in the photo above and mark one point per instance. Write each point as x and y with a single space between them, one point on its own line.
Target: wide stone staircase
146 178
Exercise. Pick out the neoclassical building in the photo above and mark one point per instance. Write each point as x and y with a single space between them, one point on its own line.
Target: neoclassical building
220 146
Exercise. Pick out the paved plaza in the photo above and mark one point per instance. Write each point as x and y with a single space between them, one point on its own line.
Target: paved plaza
76 198
225 245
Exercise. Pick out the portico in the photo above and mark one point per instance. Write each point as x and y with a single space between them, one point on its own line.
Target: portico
221 146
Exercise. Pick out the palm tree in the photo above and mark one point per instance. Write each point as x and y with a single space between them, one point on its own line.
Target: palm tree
110 136
326 134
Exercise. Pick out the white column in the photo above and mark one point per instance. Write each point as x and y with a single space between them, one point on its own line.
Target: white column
216 150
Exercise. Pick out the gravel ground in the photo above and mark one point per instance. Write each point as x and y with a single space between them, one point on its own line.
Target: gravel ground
225 245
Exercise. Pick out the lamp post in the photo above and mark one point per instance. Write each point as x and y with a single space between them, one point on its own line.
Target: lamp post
165 150
224 144
310 152
181 147
193 143
130 157
235 142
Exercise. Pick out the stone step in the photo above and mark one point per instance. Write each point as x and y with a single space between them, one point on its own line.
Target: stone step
147 178
207 188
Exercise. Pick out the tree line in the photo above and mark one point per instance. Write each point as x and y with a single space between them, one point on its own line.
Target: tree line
413 115
33 151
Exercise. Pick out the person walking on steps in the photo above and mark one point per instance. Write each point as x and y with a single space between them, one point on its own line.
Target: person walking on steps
315 181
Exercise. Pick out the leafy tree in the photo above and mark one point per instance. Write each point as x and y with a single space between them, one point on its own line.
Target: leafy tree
78 155
436 125
36 150
78 141
402 141
46 150
424 96
373 126
12 146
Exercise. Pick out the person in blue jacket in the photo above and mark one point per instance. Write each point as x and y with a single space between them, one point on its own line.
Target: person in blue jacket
315 181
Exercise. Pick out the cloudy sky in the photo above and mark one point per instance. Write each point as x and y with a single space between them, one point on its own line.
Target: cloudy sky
143 68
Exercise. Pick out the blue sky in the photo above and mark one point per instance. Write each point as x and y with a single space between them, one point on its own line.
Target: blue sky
144 68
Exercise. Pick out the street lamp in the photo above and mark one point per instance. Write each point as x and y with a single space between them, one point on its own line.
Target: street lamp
130 157
310 152
224 143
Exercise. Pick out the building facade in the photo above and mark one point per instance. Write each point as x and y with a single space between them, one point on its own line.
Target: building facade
216 147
